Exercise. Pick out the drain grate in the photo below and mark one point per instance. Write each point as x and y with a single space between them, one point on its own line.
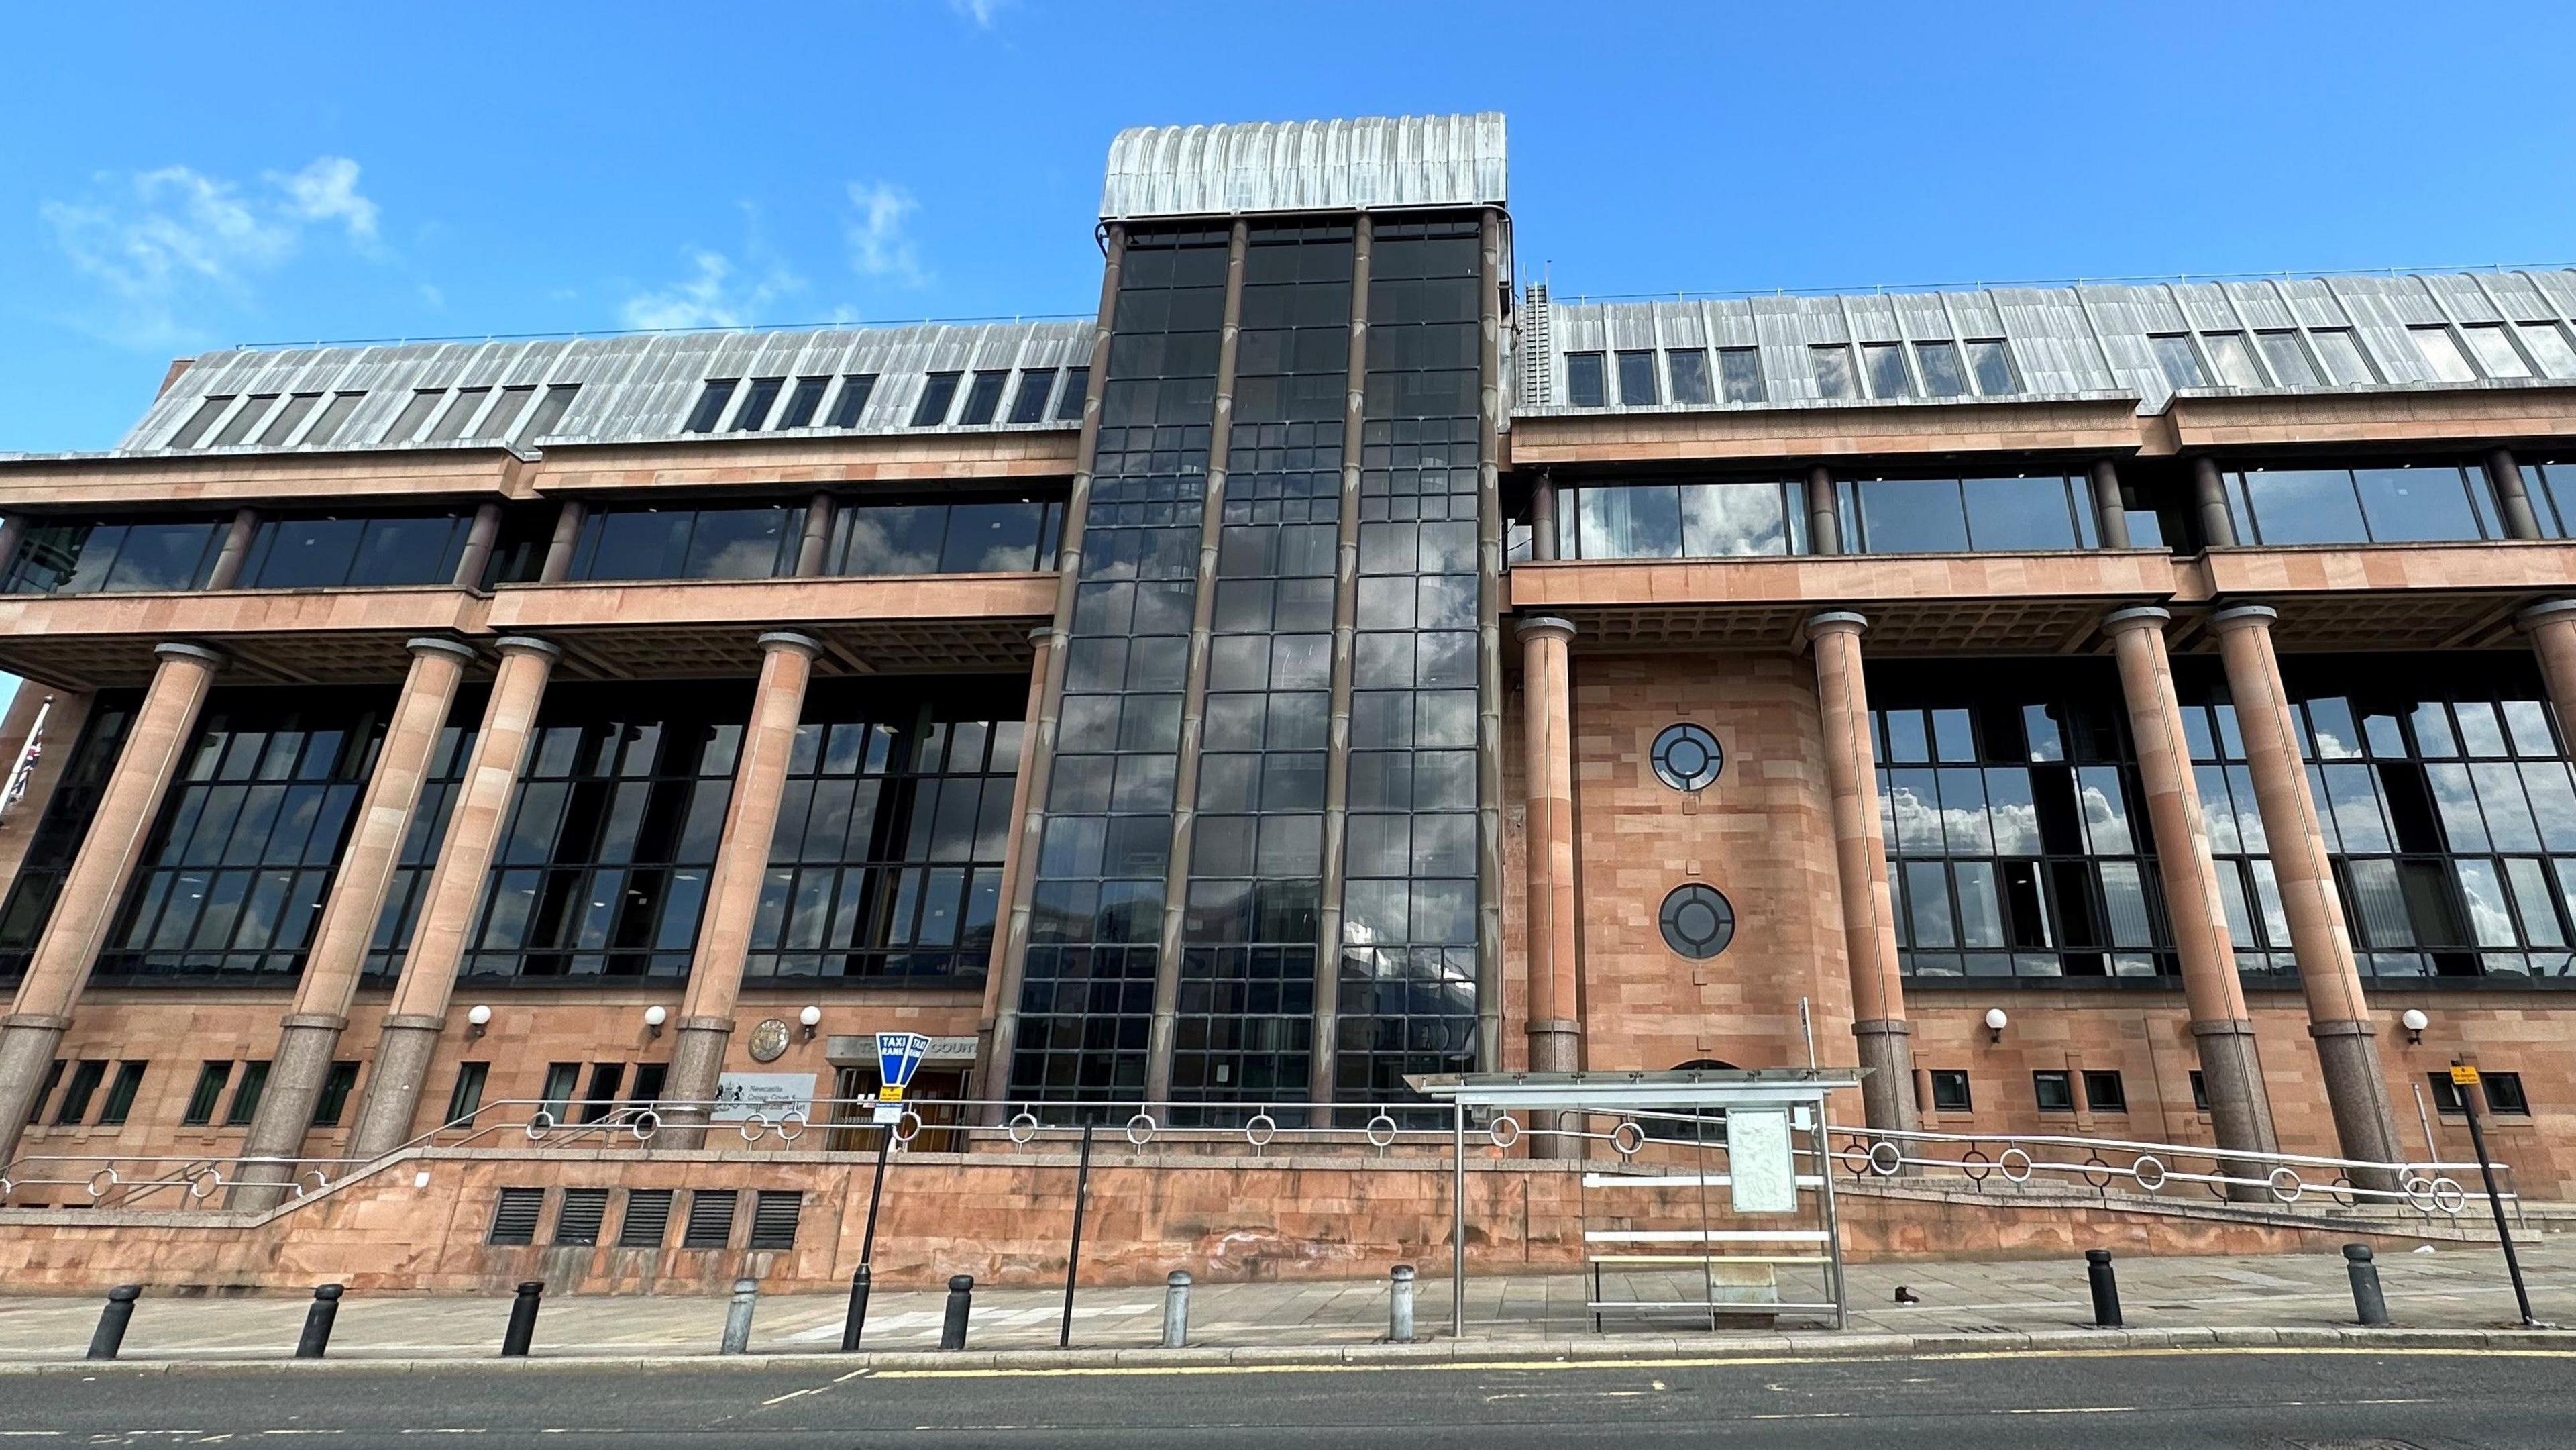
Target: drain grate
2377 1443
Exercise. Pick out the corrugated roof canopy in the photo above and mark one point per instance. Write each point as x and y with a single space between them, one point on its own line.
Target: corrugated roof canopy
1359 164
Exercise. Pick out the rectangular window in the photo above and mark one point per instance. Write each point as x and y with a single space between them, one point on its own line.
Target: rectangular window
1585 384
2104 1092
253 408
1637 380
1028 405
2547 344
648 1218
36 1105
514 1218
710 1223
756 403
87 1074
1077 389
466 1099
938 392
2199 1092
549 411
711 405
1885 364
288 418
334 417
406 425
334 1098
1832 363
206 1094
2494 351
1690 374
2441 353
2233 359
649 1078
577 1222
773 1218
460 411
606 1079
1950 1090
2339 352
1990 361
2504 1093
856 389
246 1095
120 1095
2055 1091
505 410
1939 361
983 399
803 403
1739 374
561 1078
199 421
2181 365
2288 357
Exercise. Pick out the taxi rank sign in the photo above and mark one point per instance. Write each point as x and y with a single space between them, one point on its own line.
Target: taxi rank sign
899 1056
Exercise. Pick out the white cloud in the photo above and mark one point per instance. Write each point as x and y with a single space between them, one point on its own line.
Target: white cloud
878 244
170 245
711 297
979 12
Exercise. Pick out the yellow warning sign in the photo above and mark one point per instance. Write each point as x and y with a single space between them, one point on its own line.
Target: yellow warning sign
890 1093
2464 1076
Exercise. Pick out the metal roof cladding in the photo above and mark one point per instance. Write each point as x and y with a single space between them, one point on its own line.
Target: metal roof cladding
2085 340
633 389
1360 164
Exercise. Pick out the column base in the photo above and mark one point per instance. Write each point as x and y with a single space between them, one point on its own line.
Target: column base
1887 1093
276 1137
2365 1121
697 1071
2240 1109
1556 1045
27 1043
404 1049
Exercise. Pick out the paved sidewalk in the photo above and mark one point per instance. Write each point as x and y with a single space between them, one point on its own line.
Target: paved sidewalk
2459 1289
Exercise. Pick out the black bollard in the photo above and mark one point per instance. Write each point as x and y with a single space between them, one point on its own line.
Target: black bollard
318 1321
2106 1288
523 1320
860 1280
961 1298
2369 1305
110 1334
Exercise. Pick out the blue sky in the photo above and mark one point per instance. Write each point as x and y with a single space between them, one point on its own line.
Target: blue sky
176 179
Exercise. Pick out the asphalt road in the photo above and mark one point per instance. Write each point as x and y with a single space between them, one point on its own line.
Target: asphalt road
2243 1400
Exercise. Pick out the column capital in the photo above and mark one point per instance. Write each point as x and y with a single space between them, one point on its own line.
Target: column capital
1046 636
431 644
1545 626
2143 616
174 650
2243 616
804 644
1837 621
2547 612
527 644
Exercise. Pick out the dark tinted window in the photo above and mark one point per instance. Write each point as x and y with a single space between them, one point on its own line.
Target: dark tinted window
645 543
1637 379
1028 405
1585 385
1740 371
983 398
757 403
2362 505
1950 1090
976 538
938 391
84 558
802 404
1690 374
856 389
2055 1091
1077 385
711 406
2104 1092
328 553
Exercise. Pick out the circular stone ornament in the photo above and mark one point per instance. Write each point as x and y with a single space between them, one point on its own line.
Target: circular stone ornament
769 1040
1687 757
1698 921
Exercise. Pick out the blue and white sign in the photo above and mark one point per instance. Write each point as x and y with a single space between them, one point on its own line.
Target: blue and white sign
899 1056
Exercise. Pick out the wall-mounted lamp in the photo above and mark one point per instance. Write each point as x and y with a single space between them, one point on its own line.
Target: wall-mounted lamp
477 1017
2415 1022
654 1017
809 1019
1995 1021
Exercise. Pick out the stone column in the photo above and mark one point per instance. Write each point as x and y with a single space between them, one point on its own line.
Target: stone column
418 1012
2240 1111
2209 500
235 552
2338 1015
1824 521
1001 981
733 887
817 537
311 1029
1546 531
1547 745
2551 627
2521 520
2109 513
58 970
13 532
567 537
476 560
1860 861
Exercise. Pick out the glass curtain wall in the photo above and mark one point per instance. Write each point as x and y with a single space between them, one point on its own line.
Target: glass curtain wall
2017 513
2011 811
58 835
391 943
1408 948
1087 995
1245 1028
1713 520
2399 504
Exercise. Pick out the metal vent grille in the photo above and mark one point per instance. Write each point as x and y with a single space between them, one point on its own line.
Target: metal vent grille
773 1219
710 1218
584 1209
515 1221
648 1218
